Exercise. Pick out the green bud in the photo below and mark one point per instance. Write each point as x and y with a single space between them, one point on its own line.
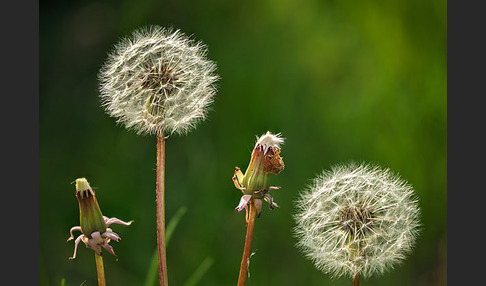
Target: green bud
91 218
255 178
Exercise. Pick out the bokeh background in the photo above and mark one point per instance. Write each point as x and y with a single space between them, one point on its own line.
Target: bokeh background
342 81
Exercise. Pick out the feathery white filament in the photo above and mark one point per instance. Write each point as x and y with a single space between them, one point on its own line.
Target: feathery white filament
268 140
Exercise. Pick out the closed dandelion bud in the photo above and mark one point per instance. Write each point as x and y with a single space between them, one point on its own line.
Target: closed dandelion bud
93 225
357 220
255 183
91 218
158 80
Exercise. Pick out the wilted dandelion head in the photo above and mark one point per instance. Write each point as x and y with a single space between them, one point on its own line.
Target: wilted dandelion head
357 219
158 80
255 183
93 225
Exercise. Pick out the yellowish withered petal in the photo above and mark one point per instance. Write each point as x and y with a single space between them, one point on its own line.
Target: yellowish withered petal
238 179
82 186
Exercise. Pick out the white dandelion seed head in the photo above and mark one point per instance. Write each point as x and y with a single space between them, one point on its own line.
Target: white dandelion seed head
158 80
357 219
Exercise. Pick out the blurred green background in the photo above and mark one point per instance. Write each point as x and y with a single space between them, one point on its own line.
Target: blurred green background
341 80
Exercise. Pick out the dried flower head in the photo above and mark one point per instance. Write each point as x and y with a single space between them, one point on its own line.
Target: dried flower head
255 183
357 219
158 80
93 225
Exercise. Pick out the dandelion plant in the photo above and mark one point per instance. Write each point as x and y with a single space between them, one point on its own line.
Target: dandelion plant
159 82
255 185
96 233
357 220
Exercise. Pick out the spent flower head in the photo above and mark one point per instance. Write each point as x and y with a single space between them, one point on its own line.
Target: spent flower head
255 183
158 80
93 225
357 219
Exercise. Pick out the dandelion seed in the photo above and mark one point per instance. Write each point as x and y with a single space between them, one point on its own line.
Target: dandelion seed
357 220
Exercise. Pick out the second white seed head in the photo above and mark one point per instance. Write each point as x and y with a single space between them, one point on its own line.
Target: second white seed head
357 219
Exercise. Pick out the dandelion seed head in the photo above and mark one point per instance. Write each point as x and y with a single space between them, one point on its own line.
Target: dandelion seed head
357 219
158 80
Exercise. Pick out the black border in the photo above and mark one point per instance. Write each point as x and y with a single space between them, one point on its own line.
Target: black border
20 141
465 143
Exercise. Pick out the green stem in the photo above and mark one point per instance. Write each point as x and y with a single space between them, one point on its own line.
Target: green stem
100 269
160 193
247 249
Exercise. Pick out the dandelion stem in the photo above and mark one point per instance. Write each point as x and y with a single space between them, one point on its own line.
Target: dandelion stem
356 280
100 269
247 249
160 191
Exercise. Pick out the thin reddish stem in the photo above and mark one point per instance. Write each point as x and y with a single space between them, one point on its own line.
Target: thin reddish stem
160 192
356 280
247 250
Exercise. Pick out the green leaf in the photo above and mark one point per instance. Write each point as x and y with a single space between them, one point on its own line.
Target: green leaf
169 230
200 271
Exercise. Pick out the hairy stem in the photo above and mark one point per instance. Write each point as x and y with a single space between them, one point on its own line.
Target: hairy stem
100 269
160 191
356 280
247 250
